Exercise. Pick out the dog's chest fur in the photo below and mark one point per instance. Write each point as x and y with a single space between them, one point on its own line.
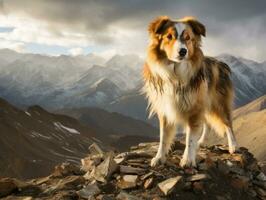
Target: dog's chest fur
168 91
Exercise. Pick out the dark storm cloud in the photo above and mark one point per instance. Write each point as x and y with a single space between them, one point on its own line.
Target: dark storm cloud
106 17
101 14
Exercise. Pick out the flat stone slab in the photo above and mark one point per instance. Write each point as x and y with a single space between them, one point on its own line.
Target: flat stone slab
168 185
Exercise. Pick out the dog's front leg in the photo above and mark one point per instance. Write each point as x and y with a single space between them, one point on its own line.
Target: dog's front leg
167 134
192 136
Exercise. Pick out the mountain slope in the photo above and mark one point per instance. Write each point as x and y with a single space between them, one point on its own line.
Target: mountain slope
33 141
254 106
98 93
250 132
114 123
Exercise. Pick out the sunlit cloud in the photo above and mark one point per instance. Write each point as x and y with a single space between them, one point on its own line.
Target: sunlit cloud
16 46
76 51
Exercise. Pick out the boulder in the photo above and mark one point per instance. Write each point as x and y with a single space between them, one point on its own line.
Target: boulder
104 170
7 186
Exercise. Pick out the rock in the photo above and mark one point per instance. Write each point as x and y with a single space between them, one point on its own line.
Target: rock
18 198
240 182
133 155
66 169
89 191
148 183
105 197
190 171
261 184
198 187
89 162
223 176
187 186
146 176
198 177
262 165
139 165
125 196
41 180
7 186
63 195
104 171
70 182
261 192
220 197
127 181
95 150
202 166
252 193
131 170
168 185
237 170
261 177
119 160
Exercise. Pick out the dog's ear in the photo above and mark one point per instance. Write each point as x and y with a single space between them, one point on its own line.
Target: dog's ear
197 27
159 25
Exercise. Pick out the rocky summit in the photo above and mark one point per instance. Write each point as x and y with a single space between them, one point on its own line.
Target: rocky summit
128 176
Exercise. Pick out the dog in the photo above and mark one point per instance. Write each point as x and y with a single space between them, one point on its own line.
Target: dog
184 87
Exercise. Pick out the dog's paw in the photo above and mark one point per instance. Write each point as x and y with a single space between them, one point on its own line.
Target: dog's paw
232 148
186 161
200 143
157 161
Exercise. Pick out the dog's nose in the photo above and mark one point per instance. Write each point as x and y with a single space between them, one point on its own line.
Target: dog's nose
182 52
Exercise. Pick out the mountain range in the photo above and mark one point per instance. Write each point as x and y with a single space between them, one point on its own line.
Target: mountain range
76 85
90 80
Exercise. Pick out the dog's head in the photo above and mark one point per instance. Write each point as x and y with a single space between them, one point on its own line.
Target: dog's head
177 39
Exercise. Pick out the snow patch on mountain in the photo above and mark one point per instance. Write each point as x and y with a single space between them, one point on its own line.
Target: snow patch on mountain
62 127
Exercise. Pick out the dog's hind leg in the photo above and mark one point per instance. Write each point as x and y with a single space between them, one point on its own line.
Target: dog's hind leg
223 125
167 134
203 135
232 145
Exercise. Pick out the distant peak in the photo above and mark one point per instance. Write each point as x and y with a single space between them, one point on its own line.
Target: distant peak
36 108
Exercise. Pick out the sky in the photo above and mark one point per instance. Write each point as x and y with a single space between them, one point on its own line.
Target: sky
108 27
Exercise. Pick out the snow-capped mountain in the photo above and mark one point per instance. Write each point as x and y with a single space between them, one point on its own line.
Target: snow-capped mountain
97 93
89 80
248 77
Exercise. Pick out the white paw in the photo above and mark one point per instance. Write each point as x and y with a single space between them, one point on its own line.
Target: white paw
200 143
232 148
188 161
158 160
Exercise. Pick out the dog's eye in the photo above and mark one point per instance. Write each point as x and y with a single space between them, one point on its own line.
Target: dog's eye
169 37
186 37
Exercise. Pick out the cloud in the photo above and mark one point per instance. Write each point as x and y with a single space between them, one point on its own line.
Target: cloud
16 46
76 51
120 26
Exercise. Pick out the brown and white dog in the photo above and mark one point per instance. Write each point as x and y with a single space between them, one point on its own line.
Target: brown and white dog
183 87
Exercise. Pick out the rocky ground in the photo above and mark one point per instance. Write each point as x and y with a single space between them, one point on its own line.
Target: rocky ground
128 176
